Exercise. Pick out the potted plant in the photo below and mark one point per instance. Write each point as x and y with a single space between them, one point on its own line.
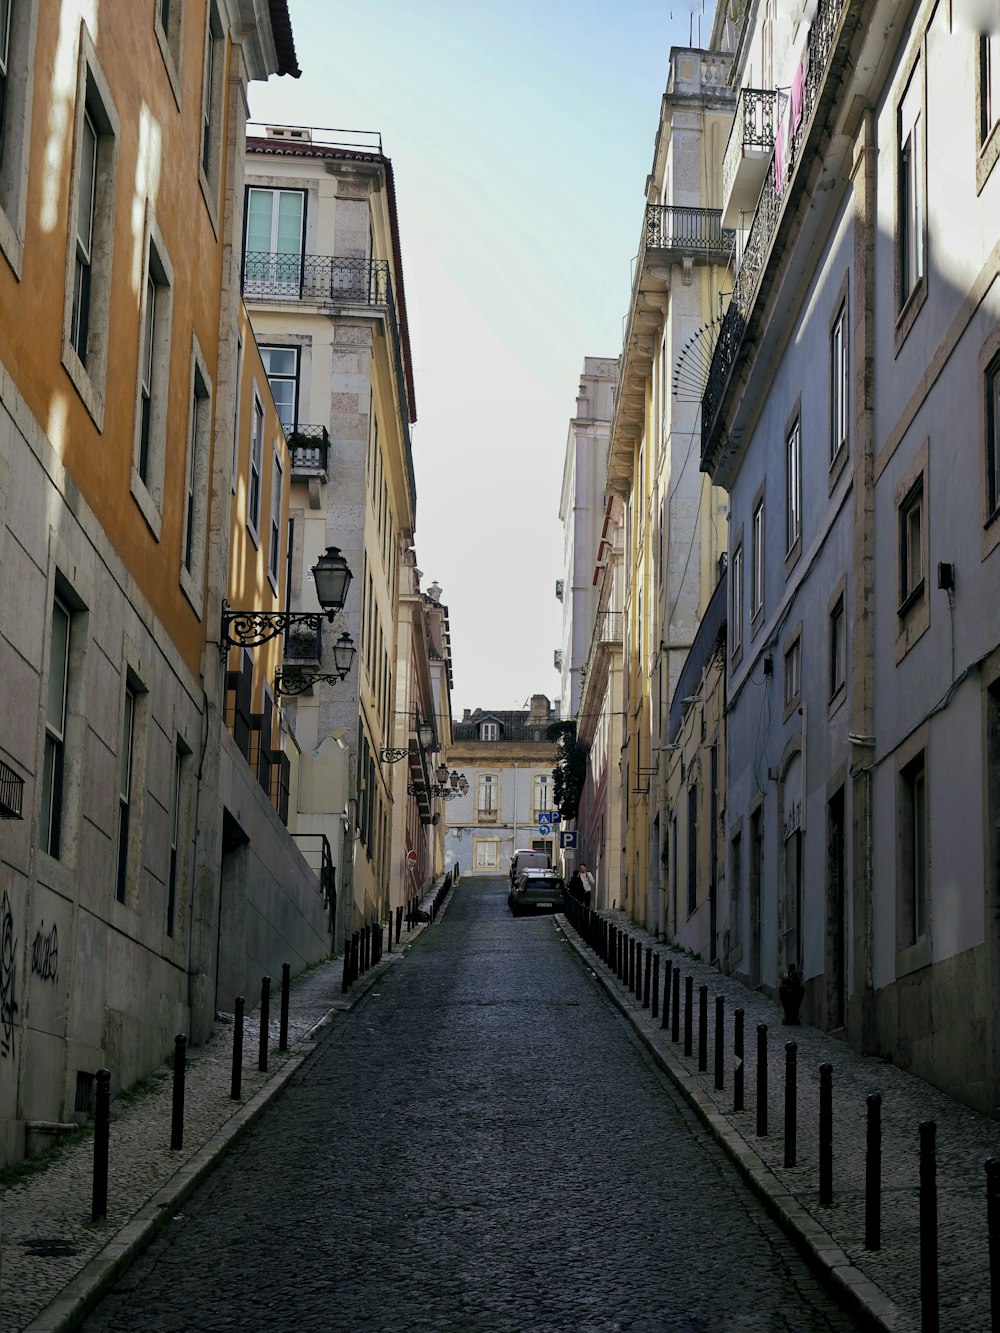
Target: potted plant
790 993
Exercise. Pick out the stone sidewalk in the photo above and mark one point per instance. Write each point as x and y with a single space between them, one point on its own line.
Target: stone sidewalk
881 1287
54 1261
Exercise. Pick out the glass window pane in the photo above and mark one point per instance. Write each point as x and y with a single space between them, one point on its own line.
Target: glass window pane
289 228
88 175
279 360
55 714
259 210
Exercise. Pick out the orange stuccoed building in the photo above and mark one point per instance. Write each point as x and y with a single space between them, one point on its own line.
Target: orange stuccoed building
146 873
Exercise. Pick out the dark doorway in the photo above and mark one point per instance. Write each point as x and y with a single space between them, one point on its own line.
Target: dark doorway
836 913
756 878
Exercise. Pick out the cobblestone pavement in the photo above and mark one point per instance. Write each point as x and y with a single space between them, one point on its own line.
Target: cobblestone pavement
54 1261
483 1144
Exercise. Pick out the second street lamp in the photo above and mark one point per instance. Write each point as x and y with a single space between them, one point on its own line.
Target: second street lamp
249 629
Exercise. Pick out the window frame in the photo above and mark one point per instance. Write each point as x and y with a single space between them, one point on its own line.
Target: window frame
991 377
793 487
255 466
736 599
95 107
911 561
757 566
294 379
212 106
15 127
126 769
50 821
147 485
913 856
987 114
911 258
170 39
840 383
274 535
912 584
791 674
837 649
489 731
196 475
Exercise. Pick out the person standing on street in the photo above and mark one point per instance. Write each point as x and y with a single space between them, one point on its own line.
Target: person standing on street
587 884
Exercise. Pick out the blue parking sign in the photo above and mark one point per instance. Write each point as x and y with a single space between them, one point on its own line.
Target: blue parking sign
568 839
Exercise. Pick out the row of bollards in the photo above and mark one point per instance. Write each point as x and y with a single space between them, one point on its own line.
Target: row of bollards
639 969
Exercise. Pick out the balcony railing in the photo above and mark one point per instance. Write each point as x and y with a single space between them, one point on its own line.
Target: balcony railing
691 230
820 50
751 143
607 632
309 447
321 279
11 792
487 816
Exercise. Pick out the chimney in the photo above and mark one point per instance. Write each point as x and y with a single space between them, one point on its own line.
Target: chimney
539 708
466 714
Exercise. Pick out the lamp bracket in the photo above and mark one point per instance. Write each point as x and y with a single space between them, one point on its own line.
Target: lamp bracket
249 629
297 682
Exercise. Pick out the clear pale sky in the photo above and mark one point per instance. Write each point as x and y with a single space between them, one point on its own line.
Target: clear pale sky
521 134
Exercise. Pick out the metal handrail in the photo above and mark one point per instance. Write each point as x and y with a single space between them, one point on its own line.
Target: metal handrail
323 279
608 627
820 49
11 793
319 858
309 447
669 227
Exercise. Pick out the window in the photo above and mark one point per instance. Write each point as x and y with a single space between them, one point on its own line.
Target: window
757 561
196 482
85 206
792 690
18 23
212 89
256 459
736 897
487 854
993 438
989 84
89 252
910 173
275 229
167 16
692 850
489 731
793 487
913 851
736 600
236 412
281 365
275 535
911 547
50 815
487 788
180 755
838 648
125 791
542 792
153 376
838 383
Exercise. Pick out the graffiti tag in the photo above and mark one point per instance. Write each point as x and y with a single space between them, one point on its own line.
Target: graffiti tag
45 954
8 977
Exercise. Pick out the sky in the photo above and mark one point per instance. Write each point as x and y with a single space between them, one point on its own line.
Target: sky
521 134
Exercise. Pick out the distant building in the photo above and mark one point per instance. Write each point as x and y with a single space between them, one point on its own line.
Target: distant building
507 758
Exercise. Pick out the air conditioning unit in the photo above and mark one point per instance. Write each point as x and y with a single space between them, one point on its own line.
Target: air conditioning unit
557 659
560 584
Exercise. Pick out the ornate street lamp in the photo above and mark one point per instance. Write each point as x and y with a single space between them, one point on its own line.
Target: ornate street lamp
447 786
249 629
297 682
392 754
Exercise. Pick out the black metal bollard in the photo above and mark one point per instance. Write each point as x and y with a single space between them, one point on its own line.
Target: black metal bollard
655 992
399 922
738 1067
647 977
791 1102
929 1315
346 982
762 1080
720 1040
688 1014
668 967
177 1106
825 1135
702 1029
286 976
265 1020
621 970
102 1138
992 1166
236 1083
873 1172
675 1020
631 964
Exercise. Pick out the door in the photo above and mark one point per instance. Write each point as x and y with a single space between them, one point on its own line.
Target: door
275 228
756 878
836 913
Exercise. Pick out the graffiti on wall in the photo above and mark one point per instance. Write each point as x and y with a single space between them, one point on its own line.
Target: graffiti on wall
8 977
45 954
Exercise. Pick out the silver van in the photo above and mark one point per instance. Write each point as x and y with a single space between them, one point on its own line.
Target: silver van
526 858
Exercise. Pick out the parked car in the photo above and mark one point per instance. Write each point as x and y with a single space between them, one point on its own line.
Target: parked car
526 858
536 887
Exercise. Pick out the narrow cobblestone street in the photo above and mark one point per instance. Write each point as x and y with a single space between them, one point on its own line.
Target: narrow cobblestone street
482 1144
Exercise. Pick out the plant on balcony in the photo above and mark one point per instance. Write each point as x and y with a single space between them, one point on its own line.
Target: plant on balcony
570 772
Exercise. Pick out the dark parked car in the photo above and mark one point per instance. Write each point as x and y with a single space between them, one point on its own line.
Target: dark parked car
537 888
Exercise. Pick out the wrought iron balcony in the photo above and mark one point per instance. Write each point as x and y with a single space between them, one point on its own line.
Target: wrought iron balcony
686 231
748 152
821 49
318 279
11 792
309 447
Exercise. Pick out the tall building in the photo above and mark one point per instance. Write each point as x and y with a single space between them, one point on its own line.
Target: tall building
852 413
119 307
322 277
